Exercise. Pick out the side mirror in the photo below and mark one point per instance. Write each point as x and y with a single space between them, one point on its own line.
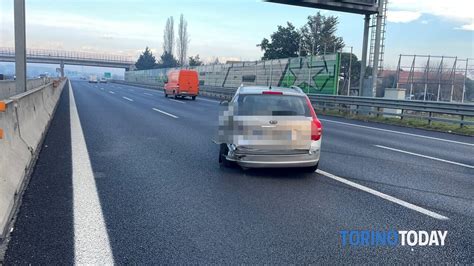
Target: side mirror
224 103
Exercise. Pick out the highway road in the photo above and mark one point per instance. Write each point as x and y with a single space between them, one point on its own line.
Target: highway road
128 176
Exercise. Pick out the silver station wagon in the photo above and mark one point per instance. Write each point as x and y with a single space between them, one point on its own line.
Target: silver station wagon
269 127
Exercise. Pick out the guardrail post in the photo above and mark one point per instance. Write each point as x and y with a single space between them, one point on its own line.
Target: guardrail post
462 119
429 118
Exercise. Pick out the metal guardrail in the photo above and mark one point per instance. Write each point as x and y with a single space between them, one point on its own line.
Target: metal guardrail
378 106
414 109
375 106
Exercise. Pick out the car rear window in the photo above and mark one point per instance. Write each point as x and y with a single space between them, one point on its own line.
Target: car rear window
271 105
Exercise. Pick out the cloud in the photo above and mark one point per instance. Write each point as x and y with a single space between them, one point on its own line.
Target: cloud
402 16
100 28
469 27
459 11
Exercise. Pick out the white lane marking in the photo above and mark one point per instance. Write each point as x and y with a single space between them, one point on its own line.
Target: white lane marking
91 241
384 196
176 101
111 92
163 112
425 156
102 88
149 94
128 99
399 132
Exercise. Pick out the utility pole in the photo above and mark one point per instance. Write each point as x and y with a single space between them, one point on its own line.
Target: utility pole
350 72
20 45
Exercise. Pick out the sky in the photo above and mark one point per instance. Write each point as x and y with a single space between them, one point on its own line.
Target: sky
230 30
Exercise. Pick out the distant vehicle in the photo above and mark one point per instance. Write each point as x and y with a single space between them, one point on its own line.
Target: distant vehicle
103 80
93 79
181 83
270 127
43 75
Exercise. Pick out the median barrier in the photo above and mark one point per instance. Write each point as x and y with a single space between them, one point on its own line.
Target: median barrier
8 87
24 123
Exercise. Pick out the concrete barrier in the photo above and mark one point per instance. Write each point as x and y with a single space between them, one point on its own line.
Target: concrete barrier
24 123
8 87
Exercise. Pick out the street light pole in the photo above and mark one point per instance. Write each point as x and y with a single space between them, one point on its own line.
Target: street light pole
20 45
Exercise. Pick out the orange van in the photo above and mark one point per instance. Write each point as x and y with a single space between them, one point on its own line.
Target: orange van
180 83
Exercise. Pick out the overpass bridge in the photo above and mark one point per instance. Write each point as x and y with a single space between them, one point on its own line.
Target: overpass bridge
61 57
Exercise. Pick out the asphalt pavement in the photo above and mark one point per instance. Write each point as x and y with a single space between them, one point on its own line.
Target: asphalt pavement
163 198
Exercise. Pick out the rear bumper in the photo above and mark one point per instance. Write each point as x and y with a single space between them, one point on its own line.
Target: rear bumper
275 161
185 93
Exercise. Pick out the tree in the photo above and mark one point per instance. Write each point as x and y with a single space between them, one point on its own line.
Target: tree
168 36
354 68
195 61
167 60
182 41
319 35
284 43
146 60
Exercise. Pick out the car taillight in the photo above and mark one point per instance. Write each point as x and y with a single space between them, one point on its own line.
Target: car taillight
272 92
316 126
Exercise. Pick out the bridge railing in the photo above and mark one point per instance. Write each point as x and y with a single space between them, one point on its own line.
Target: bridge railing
62 54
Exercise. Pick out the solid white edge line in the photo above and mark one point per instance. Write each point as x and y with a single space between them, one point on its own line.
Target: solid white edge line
384 196
149 94
163 112
176 101
425 156
111 92
128 99
398 132
91 240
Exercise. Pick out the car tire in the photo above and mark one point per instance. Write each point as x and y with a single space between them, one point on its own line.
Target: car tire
311 169
166 95
223 150
175 95
194 98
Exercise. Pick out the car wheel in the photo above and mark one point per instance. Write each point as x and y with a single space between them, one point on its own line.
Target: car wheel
311 169
194 98
223 150
166 95
175 95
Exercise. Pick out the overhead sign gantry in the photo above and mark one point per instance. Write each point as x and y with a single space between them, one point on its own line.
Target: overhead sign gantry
363 7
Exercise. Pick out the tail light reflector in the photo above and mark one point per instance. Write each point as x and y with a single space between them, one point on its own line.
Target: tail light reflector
316 126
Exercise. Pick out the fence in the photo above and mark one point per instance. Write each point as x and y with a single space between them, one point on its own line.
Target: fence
434 78
314 74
